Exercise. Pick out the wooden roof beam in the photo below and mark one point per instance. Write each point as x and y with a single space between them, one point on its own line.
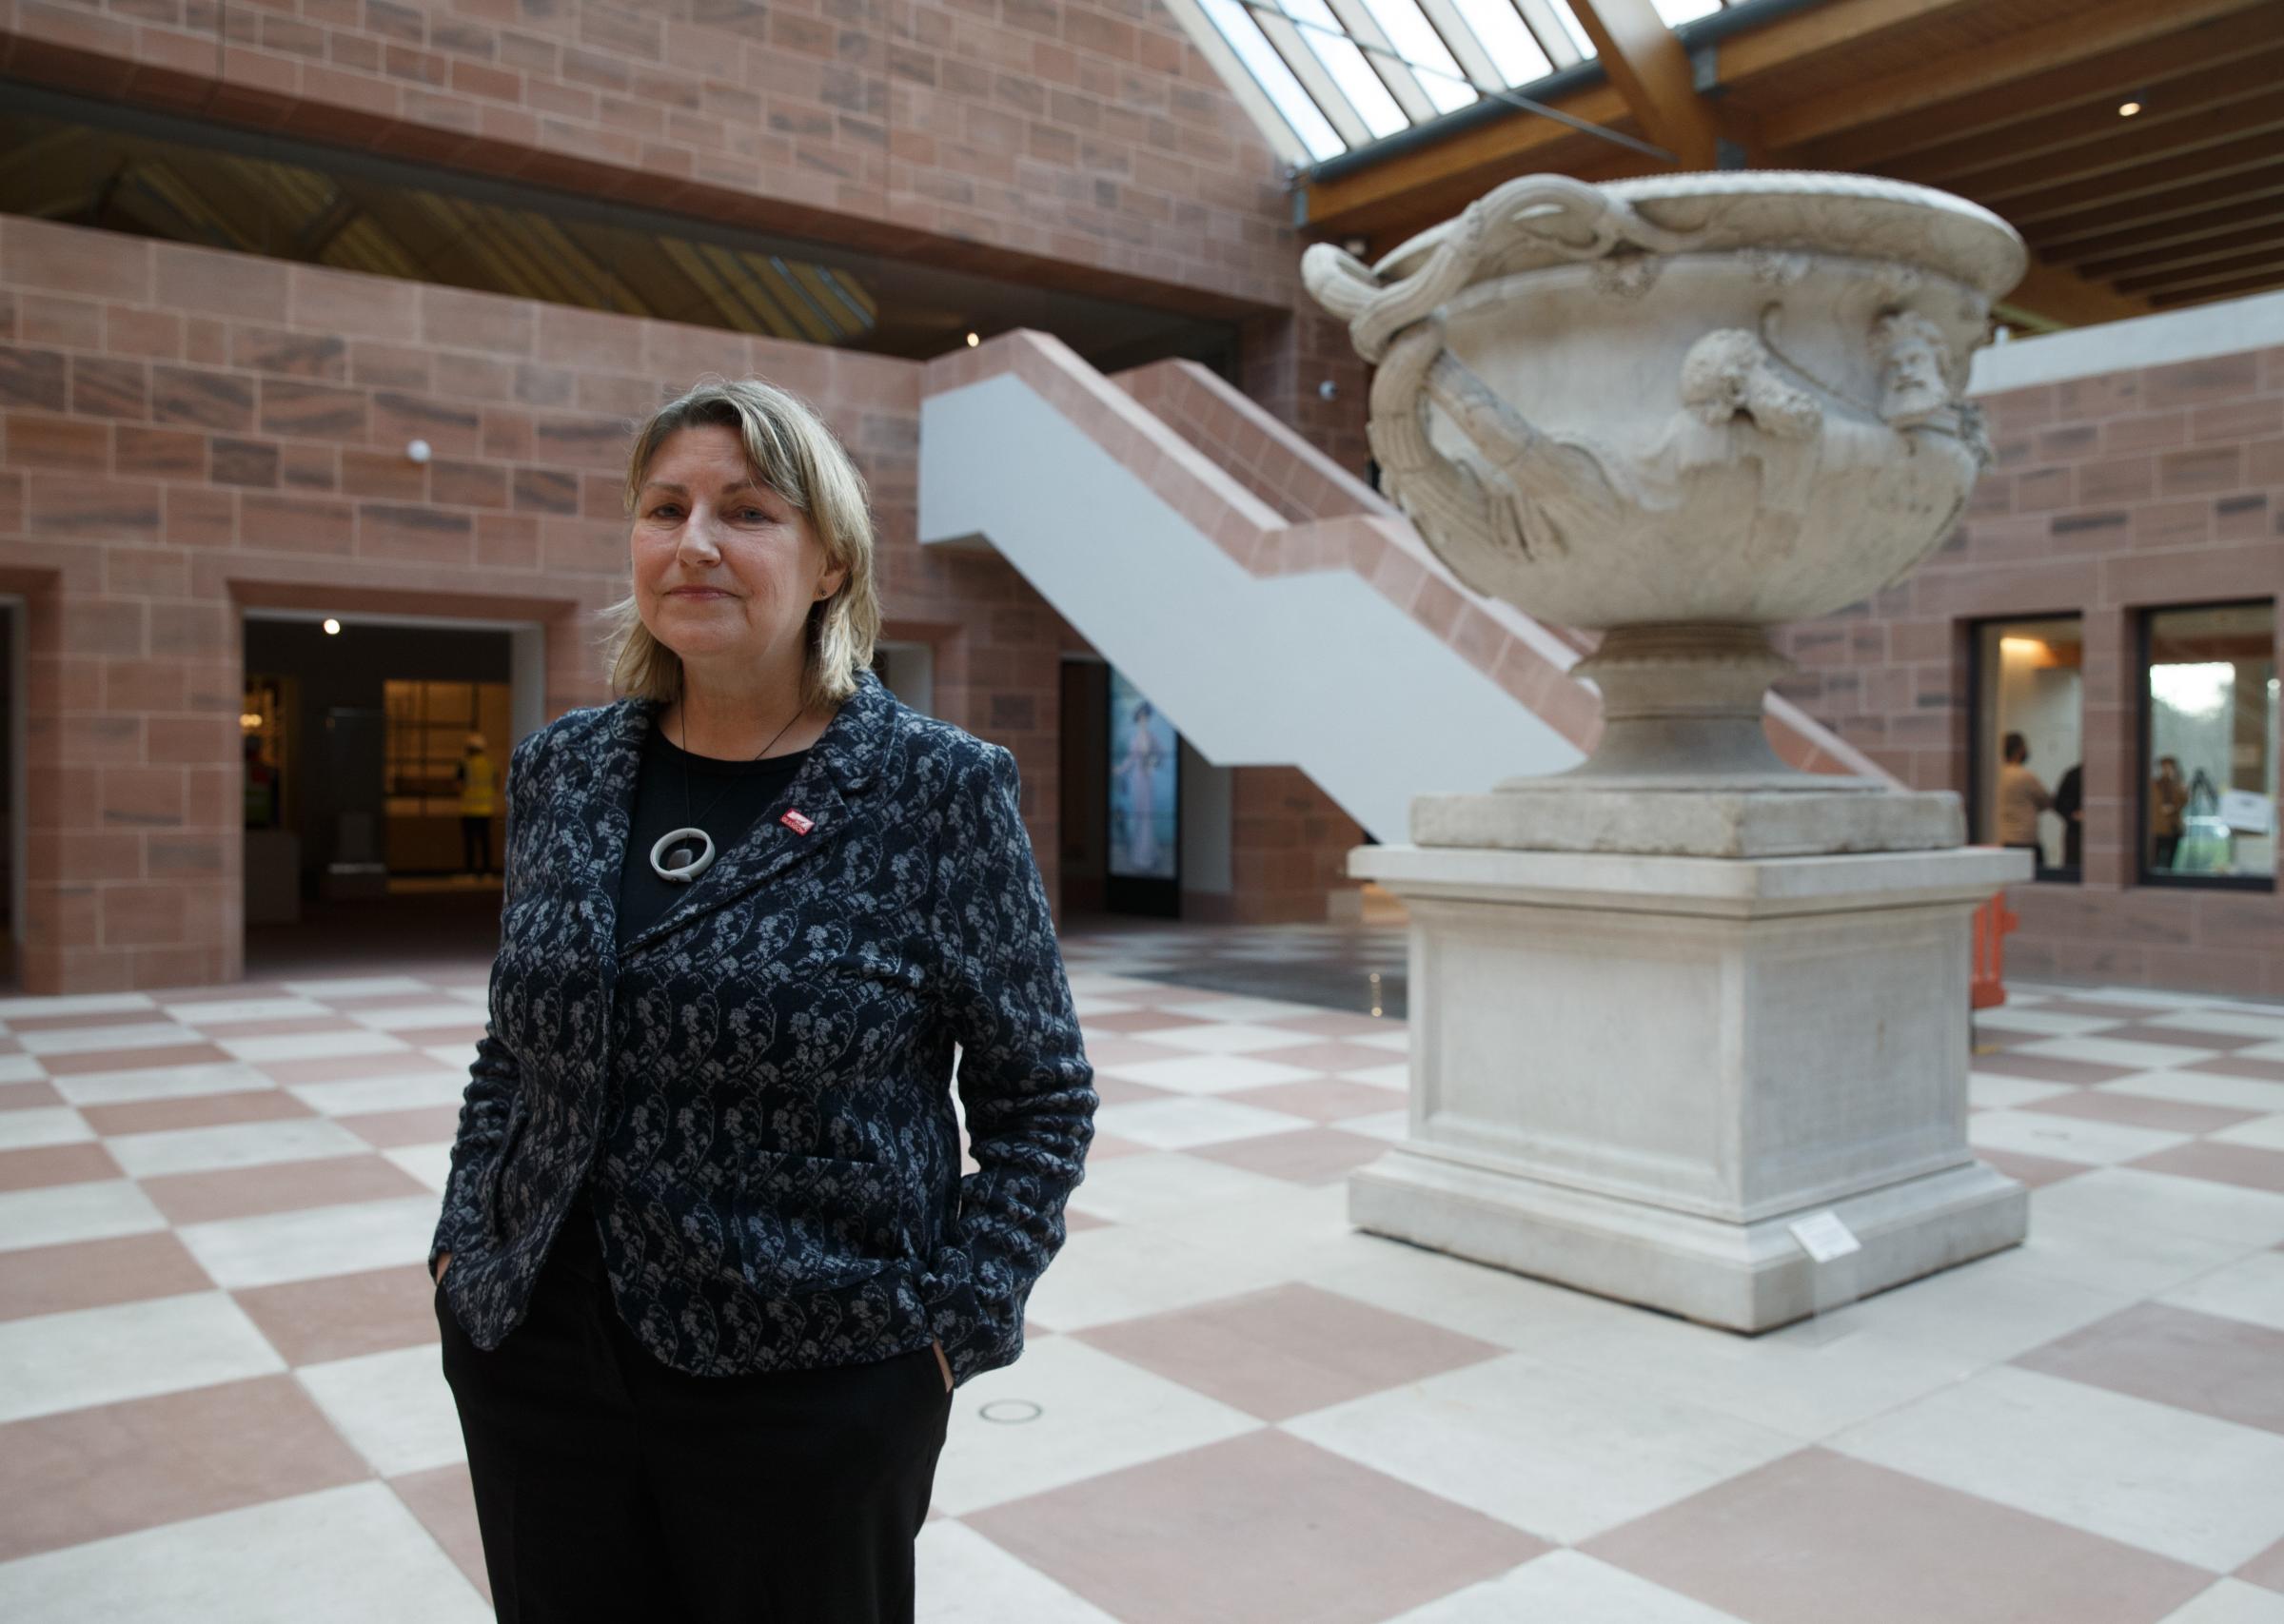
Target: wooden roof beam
2107 48
1645 61
2225 197
2053 297
2192 248
2127 148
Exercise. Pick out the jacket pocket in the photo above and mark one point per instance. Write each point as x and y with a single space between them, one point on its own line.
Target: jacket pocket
511 1133
801 1224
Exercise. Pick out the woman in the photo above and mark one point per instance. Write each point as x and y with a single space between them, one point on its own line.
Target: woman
707 1271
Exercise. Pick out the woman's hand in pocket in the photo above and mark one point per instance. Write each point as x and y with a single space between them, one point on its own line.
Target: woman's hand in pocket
443 1262
943 1363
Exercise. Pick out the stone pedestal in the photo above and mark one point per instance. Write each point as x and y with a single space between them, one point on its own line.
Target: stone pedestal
1631 1072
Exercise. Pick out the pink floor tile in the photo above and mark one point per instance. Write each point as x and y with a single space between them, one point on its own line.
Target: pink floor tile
115 1468
2266 1568
1286 1351
200 1110
2177 1037
1109 1146
2171 1356
1138 1020
41 1166
1116 1050
2036 1171
2097 1008
1119 1091
81 1022
440 1037
2132 1110
2238 1066
280 1186
2046 1069
1264 1529
1819 1538
1305 1156
342 1316
96 1274
2222 1162
1076 1220
1327 1101
22 1096
132 1058
348 1068
422 1125
445 1504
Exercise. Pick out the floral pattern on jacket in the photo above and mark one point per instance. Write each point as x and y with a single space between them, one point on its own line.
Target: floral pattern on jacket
756 1090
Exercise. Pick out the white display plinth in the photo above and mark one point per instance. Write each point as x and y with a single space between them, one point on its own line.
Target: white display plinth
1630 1073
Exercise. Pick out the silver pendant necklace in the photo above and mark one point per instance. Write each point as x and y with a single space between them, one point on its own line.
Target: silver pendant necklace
682 854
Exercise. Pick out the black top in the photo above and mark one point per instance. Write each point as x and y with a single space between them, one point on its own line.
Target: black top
676 790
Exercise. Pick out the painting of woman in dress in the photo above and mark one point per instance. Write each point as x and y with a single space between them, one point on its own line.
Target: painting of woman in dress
1143 796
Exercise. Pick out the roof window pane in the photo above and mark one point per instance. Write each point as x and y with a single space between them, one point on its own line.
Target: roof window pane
1347 64
1579 36
1276 79
1513 51
1679 11
1416 40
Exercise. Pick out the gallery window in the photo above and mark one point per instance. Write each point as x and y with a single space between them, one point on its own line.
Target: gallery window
2027 787
2208 746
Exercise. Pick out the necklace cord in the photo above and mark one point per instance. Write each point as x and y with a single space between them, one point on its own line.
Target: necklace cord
689 821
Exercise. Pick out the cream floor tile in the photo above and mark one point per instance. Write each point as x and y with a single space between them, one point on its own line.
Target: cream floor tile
232 1144
1556 1453
2250 1289
455 1055
2264 1051
1122 1271
1991 1309
1565 1587
2263 1133
2162 1200
2107 1051
43 1124
310 1046
1209 1074
358 1096
90 1039
2270 1027
1085 1006
347 1556
1095 1414
430 1163
1151 1188
277 1248
1179 1123
128 1350
1995 1093
2113 1251
82 1004
1241 1009
1395 1126
1786 1381
21 1068
63 1213
1225 1037
393 1407
1396 1078
223 1012
2231 1601
1293 1230
2203 1088
479 994
2067 1139
412 1017
964 1579
357 987
1397 1042
161 1082
2184 1485
1490 1305
2050 1023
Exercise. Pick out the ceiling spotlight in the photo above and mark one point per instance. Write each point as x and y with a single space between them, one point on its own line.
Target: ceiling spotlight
332 627
974 340
2127 110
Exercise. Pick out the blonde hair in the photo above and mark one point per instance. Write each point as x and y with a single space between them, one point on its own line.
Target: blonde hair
794 454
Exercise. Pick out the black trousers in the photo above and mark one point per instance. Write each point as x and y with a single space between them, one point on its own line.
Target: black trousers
612 1488
476 845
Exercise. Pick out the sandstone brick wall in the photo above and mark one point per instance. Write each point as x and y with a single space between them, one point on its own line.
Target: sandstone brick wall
185 433
2112 495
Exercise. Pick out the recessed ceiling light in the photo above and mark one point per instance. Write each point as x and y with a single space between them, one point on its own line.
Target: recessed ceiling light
332 627
2127 110
974 340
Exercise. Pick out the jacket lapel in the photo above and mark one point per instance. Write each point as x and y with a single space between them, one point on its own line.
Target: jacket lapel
841 763
594 811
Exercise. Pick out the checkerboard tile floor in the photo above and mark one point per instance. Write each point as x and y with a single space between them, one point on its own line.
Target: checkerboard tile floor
219 1396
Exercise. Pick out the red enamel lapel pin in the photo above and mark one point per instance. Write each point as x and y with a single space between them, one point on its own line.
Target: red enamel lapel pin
796 822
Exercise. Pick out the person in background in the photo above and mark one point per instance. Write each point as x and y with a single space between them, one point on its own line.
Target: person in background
479 786
2021 798
260 787
2069 805
2167 799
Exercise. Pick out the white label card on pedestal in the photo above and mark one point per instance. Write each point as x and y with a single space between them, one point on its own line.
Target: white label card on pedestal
1824 1237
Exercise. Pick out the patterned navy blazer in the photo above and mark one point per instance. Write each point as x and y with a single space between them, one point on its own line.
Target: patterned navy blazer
757 1091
